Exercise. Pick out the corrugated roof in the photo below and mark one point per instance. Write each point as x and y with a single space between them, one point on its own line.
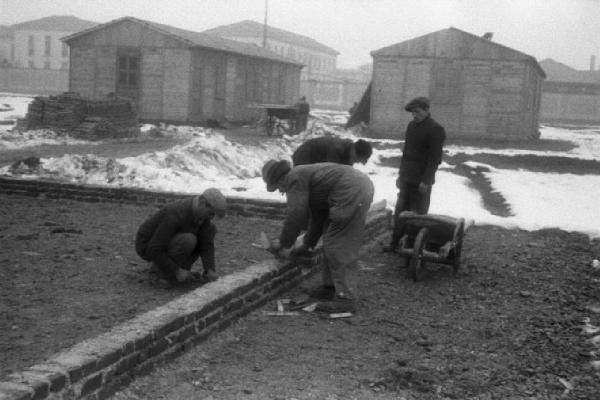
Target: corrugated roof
248 28
398 48
197 39
56 23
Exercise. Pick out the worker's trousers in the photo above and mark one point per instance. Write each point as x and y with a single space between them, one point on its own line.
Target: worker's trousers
344 229
409 199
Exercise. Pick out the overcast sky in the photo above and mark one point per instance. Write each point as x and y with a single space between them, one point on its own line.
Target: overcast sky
567 31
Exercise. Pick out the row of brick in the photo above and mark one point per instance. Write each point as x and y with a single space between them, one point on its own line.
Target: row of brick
101 194
98 367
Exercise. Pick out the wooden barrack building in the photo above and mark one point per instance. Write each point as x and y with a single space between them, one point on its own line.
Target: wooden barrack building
478 88
177 75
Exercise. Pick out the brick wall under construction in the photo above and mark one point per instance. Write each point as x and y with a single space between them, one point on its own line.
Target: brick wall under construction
69 113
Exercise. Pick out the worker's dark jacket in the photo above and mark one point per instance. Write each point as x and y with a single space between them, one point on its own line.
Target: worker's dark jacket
312 189
422 151
324 149
303 108
154 235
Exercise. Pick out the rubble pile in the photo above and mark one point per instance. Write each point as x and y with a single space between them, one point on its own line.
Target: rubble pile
70 113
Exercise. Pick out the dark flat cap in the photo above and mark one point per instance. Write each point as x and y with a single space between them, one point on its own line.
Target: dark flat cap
421 102
273 171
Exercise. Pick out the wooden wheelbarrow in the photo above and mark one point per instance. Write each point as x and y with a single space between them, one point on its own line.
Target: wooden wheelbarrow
430 238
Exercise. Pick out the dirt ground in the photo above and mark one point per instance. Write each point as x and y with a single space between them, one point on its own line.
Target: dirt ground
69 270
507 326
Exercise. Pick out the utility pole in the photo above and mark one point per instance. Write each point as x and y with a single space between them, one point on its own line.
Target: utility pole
265 24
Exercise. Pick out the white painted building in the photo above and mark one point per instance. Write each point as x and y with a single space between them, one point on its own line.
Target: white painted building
37 43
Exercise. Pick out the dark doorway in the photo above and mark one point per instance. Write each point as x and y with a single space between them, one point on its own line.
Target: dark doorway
128 74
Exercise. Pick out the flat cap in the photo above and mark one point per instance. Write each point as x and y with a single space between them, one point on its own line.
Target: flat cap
420 102
273 171
217 201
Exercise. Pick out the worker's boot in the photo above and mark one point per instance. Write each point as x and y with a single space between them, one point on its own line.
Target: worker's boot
158 278
322 292
341 303
210 275
389 248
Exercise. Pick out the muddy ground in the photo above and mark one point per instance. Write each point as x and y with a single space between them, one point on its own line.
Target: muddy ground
68 271
508 326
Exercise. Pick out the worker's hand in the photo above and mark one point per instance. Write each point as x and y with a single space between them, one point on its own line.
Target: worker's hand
274 247
183 275
278 251
299 250
424 187
398 182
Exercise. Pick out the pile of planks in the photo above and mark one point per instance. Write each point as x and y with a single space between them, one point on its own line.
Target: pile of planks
83 118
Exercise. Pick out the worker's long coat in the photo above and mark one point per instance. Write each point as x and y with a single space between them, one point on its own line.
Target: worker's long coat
336 199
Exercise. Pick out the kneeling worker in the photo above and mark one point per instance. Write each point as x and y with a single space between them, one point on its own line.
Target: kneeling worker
179 233
344 195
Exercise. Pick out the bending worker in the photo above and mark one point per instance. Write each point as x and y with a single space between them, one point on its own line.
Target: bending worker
178 234
345 195
332 149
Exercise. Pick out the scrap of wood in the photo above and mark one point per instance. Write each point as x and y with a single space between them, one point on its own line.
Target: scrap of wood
310 307
341 315
281 313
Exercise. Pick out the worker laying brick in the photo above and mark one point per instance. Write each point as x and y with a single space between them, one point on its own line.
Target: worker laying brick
344 195
178 234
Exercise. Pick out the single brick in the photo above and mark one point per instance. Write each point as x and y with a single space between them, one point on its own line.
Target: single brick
266 277
186 333
221 301
172 353
113 386
144 369
170 327
57 381
126 364
128 348
108 359
251 297
211 319
91 384
144 341
234 305
202 336
158 347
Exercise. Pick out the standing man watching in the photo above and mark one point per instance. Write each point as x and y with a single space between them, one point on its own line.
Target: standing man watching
332 149
421 156
302 109
178 234
345 194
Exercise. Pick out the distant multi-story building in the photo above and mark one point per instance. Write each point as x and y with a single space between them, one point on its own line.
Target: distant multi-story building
570 96
321 82
317 58
37 44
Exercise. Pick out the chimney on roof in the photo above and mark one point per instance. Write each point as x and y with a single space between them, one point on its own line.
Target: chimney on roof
488 35
592 63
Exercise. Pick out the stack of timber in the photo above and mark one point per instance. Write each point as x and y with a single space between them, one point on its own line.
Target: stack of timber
69 113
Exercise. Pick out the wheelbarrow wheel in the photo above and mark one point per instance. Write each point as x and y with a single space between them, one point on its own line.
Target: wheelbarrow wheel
459 233
415 267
